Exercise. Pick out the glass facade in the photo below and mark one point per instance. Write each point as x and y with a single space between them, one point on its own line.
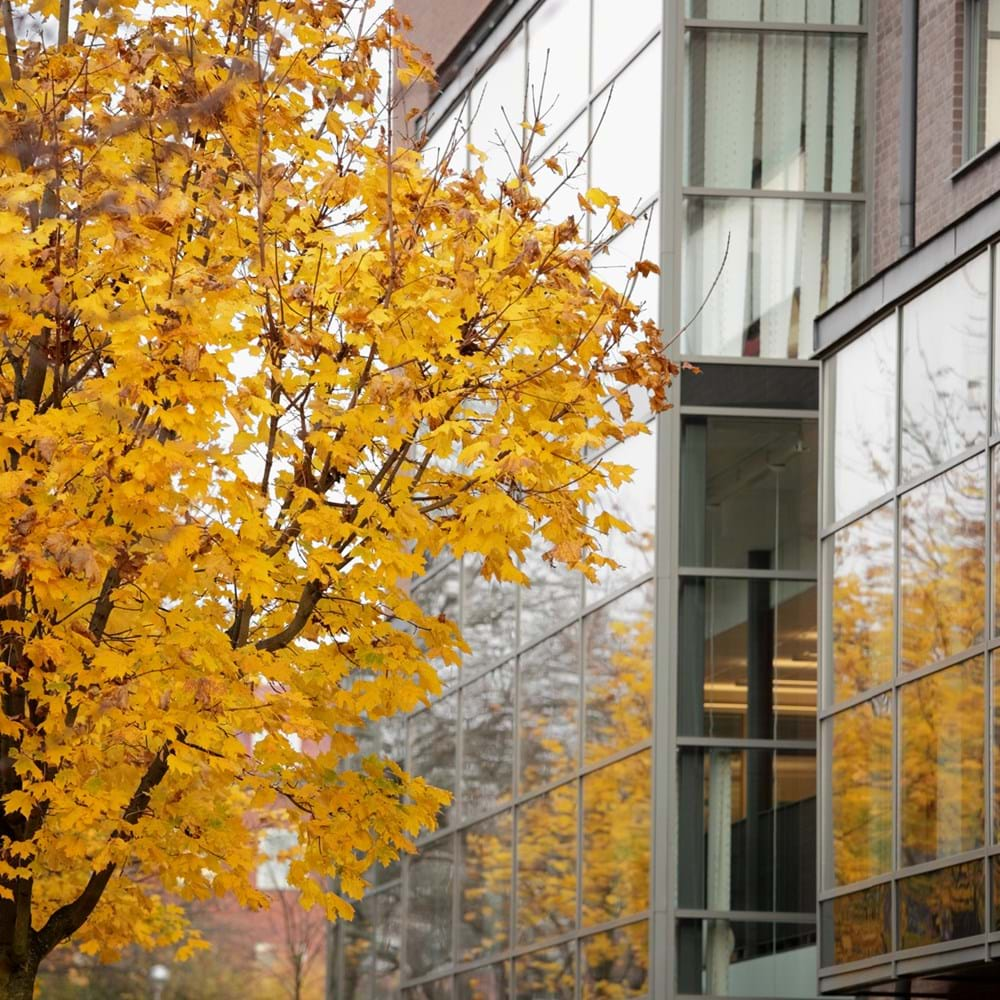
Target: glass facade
908 667
773 157
633 760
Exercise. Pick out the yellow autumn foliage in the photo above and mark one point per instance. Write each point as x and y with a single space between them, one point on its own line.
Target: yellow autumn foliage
259 361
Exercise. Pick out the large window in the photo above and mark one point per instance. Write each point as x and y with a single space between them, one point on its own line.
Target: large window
746 705
539 876
908 657
982 75
773 172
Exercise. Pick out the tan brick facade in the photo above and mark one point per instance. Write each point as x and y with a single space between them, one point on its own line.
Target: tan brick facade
941 199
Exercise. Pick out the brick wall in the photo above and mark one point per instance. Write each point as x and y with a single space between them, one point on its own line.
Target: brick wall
940 199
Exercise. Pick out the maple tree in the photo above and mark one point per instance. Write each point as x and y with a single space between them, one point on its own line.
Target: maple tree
259 361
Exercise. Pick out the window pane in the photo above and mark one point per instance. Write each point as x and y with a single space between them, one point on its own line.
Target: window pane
996 540
616 964
625 154
744 959
428 922
498 99
614 37
995 668
489 617
549 708
557 50
748 493
809 11
994 864
488 740
387 940
440 989
358 937
862 603
942 798
983 67
545 974
546 864
432 748
635 504
616 803
942 906
486 886
559 191
942 565
787 261
863 386
748 815
857 926
945 369
618 674
553 598
860 762
438 596
774 110
748 655
490 983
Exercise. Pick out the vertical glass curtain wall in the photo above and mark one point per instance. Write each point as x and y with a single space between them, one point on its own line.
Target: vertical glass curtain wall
909 725
539 875
746 703
774 127
537 883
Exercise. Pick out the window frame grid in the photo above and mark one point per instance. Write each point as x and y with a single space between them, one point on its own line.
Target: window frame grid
898 961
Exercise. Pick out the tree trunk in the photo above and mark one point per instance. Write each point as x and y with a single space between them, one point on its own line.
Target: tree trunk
19 983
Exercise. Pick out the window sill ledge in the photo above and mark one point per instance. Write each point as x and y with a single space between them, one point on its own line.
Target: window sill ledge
987 154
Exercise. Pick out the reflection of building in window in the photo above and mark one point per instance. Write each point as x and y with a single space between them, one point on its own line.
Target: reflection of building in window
276 845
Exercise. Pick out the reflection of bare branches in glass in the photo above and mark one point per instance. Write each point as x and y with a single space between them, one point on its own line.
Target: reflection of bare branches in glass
942 573
862 611
945 371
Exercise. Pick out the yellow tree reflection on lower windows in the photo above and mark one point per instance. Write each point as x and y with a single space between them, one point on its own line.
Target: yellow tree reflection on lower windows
546 864
942 795
618 674
942 576
485 893
861 776
616 963
862 614
616 810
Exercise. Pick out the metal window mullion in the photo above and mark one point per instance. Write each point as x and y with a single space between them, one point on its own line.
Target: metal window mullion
724 743
722 573
783 27
753 362
896 851
857 515
762 412
781 194
988 694
457 860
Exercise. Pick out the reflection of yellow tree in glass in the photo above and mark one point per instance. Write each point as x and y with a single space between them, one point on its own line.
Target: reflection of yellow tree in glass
862 613
943 565
546 864
942 803
486 875
861 773
615 966
616 840
618 675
